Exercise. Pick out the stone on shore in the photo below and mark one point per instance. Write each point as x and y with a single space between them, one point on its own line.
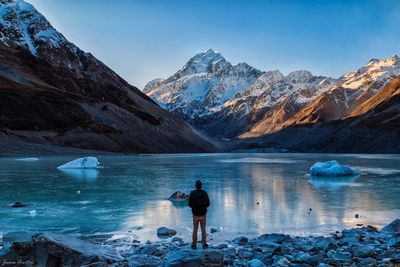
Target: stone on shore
145 261
393 227
179 196
56 250
241 240
165 232
18 205
196 258
256 263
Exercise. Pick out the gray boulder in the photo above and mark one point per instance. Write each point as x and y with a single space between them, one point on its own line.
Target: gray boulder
196 258
275 238
59 250
241 240
363 251
179 196
144 261
256 263
392 227
165 232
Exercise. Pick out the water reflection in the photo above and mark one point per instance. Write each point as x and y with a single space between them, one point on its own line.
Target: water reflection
84 174
270 193
333 183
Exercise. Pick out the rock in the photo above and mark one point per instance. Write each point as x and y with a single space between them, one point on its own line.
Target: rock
229 252
394 242
368 262
310 259
18 205
392 227
54 249
337 255
165 232
241 240
245 253
213 230
179 196
220 246
176 239
144 261
276 238
256 263
282 261
195 258
363 251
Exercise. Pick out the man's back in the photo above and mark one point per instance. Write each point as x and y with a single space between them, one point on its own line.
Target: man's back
199 202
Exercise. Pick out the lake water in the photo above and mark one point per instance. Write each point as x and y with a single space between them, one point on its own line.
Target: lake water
250 194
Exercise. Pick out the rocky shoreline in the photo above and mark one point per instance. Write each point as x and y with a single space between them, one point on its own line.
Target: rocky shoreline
364 246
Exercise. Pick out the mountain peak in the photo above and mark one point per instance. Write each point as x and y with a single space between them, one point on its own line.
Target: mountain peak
394 59
299 76
23 25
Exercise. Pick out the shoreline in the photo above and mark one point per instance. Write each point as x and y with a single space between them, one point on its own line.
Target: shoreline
363 246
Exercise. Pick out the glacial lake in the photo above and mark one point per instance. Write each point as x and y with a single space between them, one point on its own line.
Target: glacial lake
250 194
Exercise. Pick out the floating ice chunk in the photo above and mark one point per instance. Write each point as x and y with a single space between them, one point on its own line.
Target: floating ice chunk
27 159
331 169
81 163
32 213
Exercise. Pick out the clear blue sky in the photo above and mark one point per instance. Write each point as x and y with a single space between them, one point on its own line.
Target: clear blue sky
147 39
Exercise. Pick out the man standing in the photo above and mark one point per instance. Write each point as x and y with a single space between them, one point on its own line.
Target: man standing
199 202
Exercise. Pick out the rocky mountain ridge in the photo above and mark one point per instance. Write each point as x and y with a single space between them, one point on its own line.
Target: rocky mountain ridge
53 93
270 101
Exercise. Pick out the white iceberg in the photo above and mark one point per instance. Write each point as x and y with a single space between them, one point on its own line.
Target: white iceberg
81 163
27 159
332 169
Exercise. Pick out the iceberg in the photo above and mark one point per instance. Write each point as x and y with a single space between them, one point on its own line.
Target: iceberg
332 169
81 163
27 159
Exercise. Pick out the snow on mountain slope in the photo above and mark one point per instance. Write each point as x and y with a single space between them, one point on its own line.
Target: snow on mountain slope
352 90
53 93
207 94
203 84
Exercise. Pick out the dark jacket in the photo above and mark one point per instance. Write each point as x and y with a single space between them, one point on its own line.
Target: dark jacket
199 202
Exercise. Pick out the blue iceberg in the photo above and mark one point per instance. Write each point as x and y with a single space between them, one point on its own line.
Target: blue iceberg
332 169
81 163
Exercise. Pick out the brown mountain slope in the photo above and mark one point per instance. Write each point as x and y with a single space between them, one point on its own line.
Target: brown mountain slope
53 93
374 131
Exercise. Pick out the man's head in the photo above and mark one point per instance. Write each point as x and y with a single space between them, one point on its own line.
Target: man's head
198 185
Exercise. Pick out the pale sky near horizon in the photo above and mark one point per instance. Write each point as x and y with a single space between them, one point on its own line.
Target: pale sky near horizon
146 39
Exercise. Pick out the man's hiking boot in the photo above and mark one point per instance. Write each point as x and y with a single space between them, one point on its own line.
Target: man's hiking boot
205 246
194 246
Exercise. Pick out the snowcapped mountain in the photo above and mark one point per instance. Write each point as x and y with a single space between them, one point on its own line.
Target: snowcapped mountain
209 94
53 93
226 100
203 85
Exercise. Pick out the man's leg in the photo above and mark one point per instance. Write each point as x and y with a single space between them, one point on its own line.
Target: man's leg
195 228
203 230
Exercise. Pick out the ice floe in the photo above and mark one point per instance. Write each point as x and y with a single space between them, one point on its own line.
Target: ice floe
27 159
81 163
332 169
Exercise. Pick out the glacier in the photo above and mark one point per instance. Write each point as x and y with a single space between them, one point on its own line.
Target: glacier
81 163
332 169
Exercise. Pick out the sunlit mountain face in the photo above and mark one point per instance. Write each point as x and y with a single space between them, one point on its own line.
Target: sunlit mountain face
242 102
